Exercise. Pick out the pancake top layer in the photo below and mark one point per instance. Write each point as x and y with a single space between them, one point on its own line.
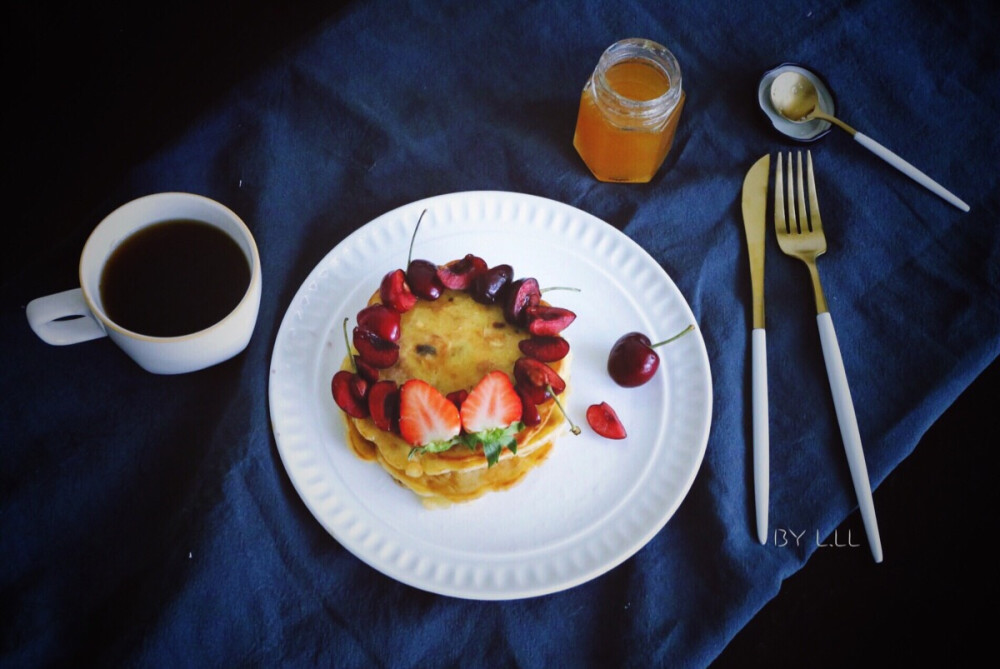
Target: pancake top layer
452 342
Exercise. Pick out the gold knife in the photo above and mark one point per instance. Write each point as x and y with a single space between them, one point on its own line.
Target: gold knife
754 214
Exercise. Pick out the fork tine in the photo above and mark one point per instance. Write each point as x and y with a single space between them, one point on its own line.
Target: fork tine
800 192
779 199
814 219
793 221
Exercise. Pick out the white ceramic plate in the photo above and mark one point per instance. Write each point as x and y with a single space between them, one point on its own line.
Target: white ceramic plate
594 502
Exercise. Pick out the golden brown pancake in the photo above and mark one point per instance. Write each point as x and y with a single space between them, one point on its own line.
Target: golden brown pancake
451 343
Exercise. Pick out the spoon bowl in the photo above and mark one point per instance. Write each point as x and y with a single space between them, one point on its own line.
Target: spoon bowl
796 99
805 131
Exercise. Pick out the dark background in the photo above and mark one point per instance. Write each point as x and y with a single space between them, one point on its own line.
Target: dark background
92 91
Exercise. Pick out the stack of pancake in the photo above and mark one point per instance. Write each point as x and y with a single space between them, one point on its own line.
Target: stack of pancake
451 343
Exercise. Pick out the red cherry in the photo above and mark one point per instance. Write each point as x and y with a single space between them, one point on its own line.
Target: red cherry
383 404
422 277
534 378
529 410
488 287
632 361
395 292
365 371
605 422
377 352
382 320
348 391
522 294
456 397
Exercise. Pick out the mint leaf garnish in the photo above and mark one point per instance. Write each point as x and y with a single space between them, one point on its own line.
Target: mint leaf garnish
434 447
494 440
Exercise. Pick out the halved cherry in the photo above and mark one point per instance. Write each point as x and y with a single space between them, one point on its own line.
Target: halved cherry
458 274
359 386
382 320
422 277
365 371
522 294
605 422
533 394
547 320
348 393
529 409
383 405
377 352
535 378
395 292
546 348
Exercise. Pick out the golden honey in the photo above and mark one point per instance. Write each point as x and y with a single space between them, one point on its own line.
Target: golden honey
629 111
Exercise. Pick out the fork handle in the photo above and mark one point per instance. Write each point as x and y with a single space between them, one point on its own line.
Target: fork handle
909 170
761 467
844 406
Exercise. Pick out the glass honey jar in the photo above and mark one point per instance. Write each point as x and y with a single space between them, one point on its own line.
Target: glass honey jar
629 111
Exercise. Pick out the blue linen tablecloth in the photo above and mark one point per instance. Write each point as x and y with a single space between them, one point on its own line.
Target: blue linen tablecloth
148 520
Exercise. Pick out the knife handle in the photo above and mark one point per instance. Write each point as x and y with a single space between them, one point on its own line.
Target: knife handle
844 406
761 457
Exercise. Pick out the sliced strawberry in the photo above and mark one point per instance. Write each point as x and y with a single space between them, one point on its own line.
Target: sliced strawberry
605 422
491 416
382 320
426 417
491 404
383 404
458 274
546 348
547 320
396 293
377 352
348 391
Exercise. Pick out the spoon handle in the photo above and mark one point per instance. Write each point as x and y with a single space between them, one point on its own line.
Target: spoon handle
909 170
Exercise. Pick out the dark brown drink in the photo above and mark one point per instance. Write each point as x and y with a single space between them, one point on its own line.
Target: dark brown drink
174 278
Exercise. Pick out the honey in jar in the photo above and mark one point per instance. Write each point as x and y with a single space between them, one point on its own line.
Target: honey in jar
629 111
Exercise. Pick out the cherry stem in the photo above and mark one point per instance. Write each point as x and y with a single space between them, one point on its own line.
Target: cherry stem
572 427
409 256
347 342
545 290
676 336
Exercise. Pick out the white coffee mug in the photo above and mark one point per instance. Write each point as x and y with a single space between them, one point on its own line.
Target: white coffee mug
77 315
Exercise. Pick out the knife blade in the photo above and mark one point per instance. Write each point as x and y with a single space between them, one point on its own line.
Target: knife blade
754 213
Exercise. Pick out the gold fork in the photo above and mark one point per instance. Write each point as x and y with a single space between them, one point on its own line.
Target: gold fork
800 235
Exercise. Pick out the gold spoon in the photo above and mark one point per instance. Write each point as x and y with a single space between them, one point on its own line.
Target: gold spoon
795 98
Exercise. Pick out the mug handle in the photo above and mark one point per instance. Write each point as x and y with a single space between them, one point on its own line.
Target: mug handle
63 318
